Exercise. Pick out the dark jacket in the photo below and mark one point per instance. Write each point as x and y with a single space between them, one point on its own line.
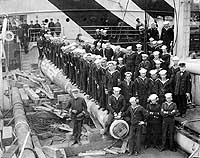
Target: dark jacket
127 90
170 109
138 114
116 105
78 104
154 109
182 83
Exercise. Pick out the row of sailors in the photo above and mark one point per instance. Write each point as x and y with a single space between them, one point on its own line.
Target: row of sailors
96 76
159 119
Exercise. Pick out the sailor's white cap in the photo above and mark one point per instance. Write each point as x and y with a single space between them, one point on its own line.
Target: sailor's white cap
153 97
151 39
129 48
166 22
153 72
168 95
116 89
164 47
128 73
156 53
120 58
138 45
132 99
142 70
159 42
144 55
175 58
154 42
162 72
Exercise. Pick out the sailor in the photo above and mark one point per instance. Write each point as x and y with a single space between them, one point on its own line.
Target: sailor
118 53
138 115
121 68
167 35
150 46
98 50
174 68
154 58
168 111
154 122
142 86
108 52
153 31
112 78
165 57
158 65
78 108
163 85
182 89
138 58
153 79
127 87
145 63
129 60
116 107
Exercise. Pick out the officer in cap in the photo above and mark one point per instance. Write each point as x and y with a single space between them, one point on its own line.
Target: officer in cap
154 122
168 111
78 108
182 88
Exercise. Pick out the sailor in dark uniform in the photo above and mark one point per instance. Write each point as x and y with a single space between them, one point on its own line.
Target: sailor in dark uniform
108 52
163 85
153 32
112 78
129 60
121 68
153 79
116 107
142 86
98 50
138 58
145 63
78 108
138 116
167 35
127 87
154 122
165 57
174 68
168 111
182 89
